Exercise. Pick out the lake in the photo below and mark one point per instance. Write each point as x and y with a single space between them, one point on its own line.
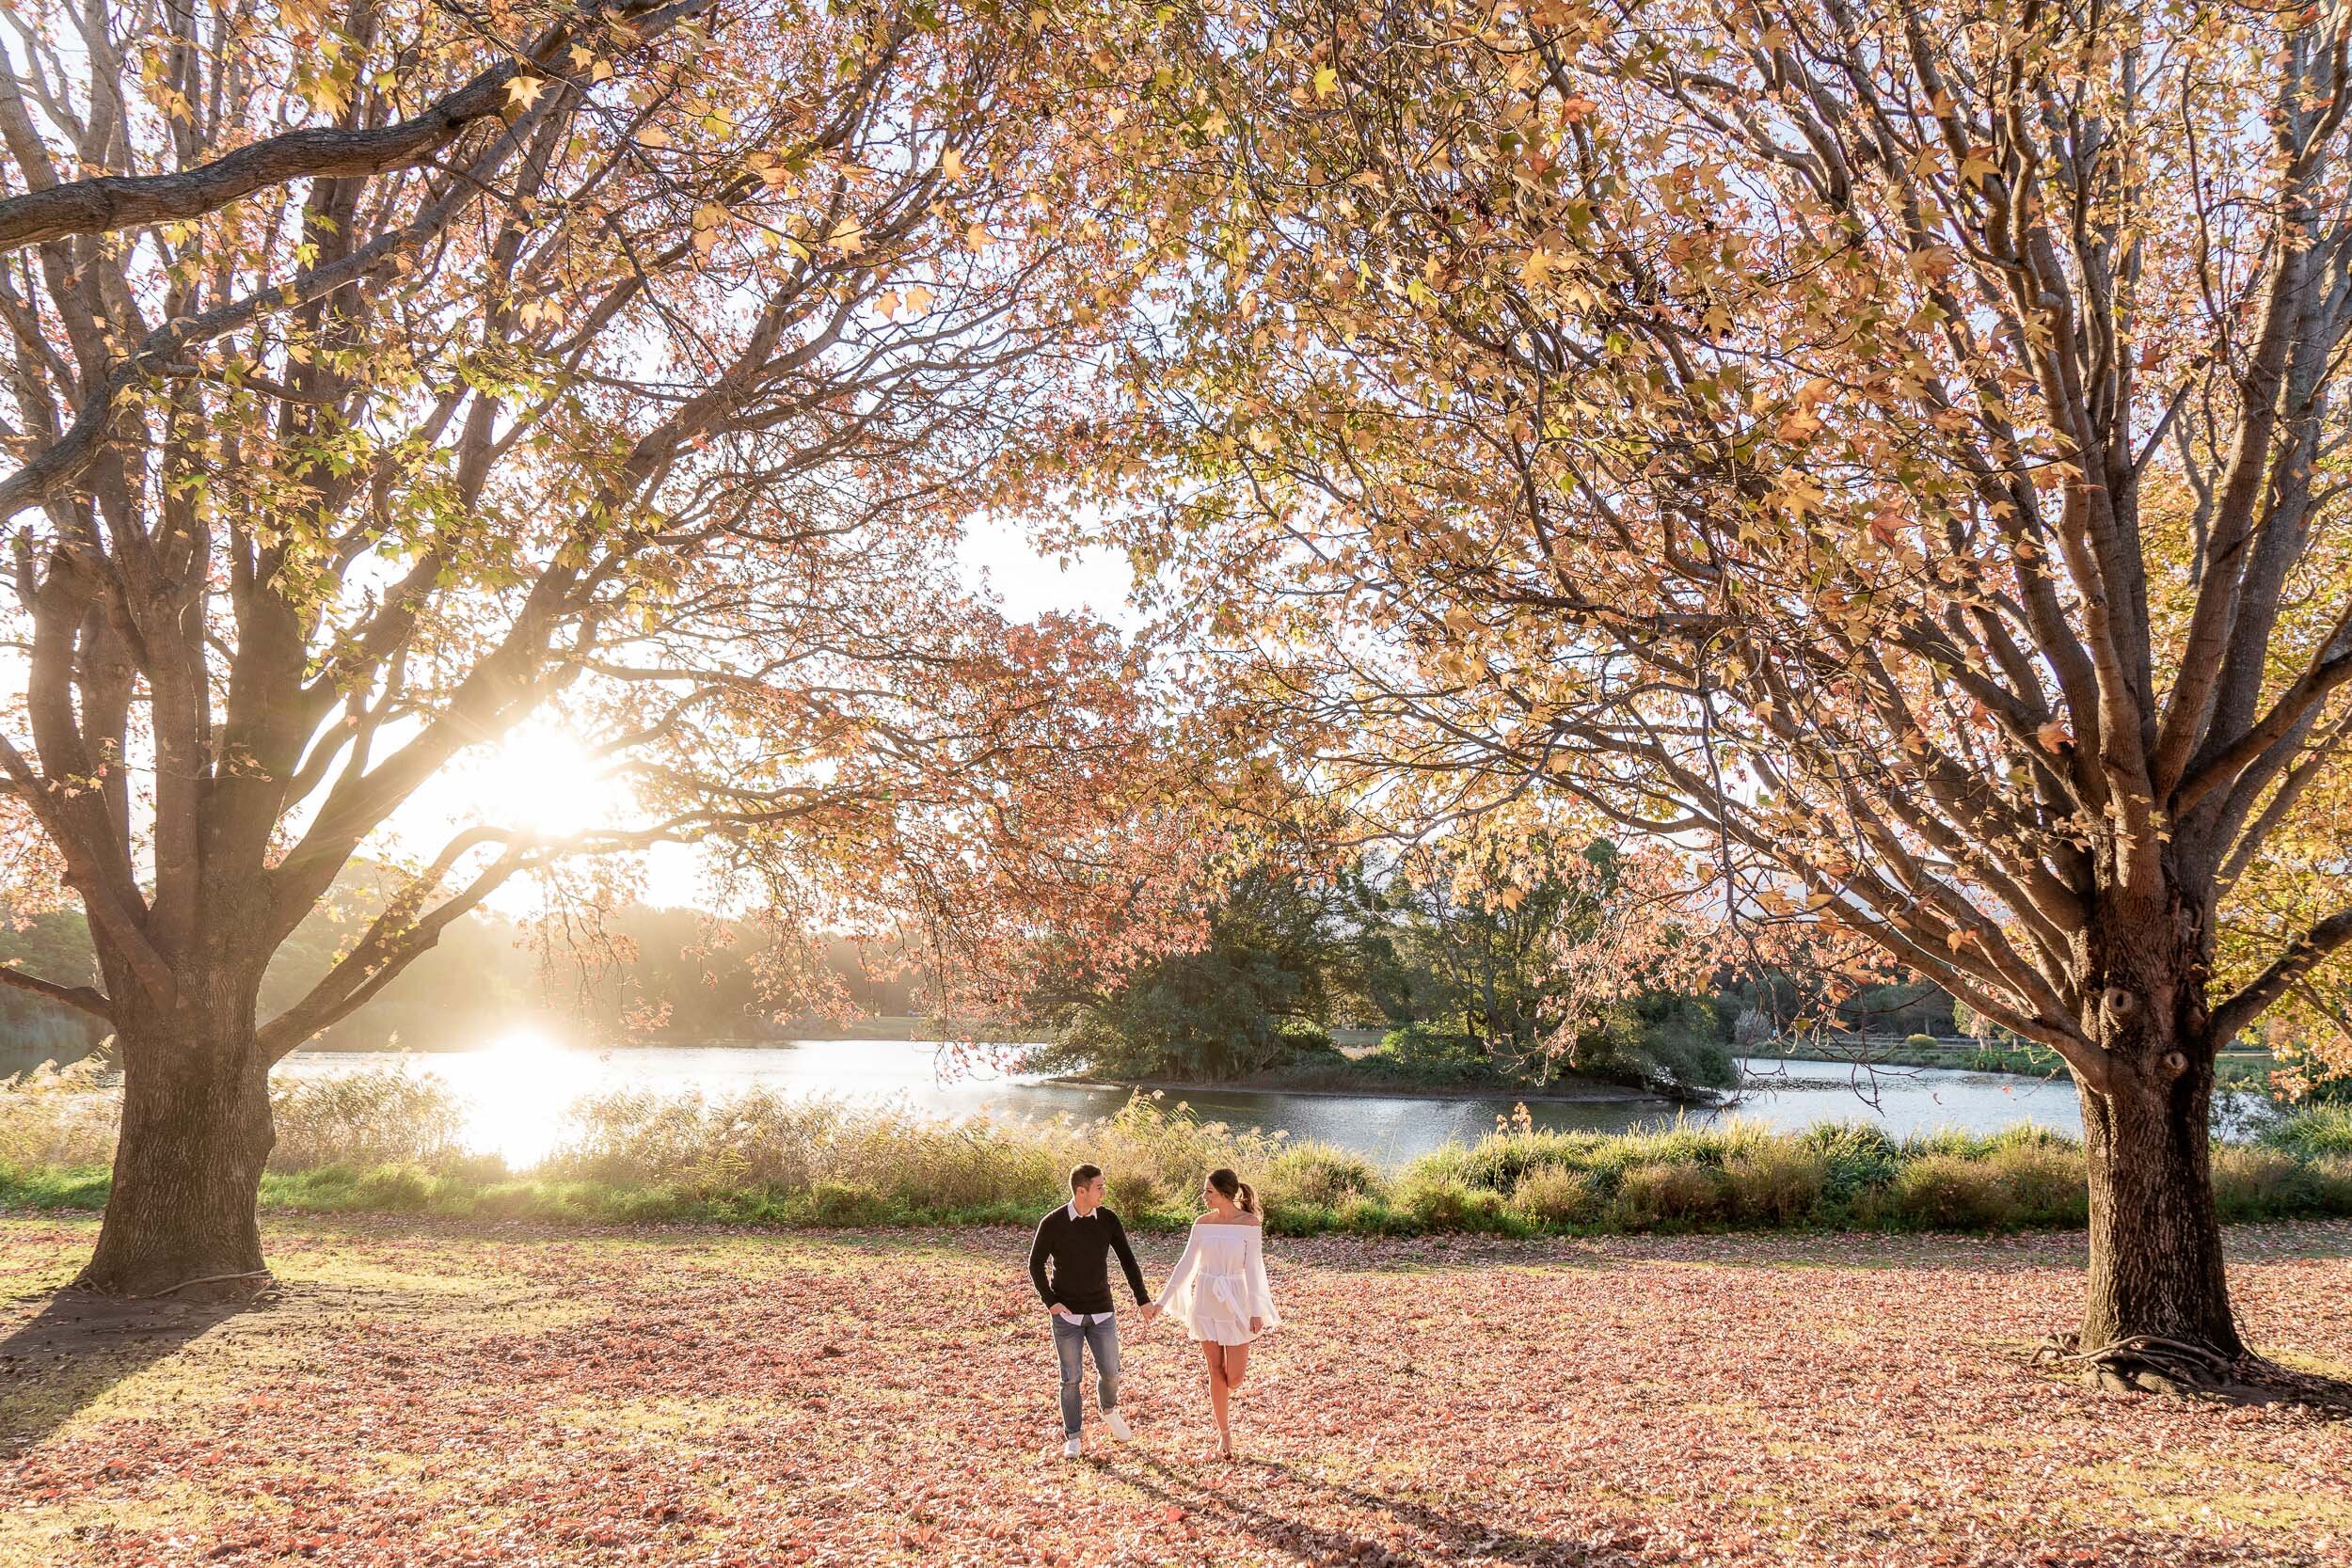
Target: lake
520 1087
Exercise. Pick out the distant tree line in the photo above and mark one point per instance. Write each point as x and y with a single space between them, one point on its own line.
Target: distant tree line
641 972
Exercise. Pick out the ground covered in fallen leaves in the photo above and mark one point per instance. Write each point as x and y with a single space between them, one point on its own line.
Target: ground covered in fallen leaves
415 1395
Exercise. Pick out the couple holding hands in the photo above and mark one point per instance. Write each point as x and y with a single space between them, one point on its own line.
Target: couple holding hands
1217 1290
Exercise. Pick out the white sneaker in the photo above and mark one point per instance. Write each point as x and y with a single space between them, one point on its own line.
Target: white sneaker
1069 1448
1118 1424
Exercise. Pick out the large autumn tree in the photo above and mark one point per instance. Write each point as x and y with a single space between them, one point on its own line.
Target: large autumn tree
382 377
1898 447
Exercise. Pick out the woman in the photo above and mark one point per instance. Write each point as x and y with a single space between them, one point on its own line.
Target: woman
1218 1289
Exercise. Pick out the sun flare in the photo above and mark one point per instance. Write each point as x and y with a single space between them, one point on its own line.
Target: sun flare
546 781
517 1091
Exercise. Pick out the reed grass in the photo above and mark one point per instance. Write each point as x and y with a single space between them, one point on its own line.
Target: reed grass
391 1140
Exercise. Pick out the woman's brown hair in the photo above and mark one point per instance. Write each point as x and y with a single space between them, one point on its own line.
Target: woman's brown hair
1230 1186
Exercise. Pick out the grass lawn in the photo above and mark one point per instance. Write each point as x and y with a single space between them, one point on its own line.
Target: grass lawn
421 1393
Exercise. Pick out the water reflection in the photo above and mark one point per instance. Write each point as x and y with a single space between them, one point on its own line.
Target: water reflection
517 1088
518 1091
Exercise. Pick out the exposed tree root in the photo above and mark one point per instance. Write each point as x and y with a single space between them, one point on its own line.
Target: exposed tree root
252 1282
2150 1364
248 1286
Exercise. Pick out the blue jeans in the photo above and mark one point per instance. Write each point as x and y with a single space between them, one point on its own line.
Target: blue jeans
1071 1338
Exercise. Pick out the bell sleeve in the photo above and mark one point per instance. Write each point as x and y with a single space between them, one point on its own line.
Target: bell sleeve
1186 1266
1261 1292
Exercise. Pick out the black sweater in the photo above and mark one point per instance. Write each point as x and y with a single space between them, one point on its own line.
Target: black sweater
1080 1250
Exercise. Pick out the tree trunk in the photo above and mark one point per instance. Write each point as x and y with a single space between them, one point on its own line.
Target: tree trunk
2156 1266
187 1173
2156 1239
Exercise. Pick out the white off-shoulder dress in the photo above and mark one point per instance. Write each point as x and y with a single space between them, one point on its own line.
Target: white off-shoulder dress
1219 1284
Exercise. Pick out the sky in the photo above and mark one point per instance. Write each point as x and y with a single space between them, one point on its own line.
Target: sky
997 555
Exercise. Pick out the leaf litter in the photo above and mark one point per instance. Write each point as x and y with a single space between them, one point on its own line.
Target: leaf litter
422 1393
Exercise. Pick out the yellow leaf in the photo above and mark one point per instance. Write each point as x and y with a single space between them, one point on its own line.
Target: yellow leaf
523 91
1327 81
951 163
977 237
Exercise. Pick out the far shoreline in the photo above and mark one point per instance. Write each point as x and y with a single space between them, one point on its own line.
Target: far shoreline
1588 1094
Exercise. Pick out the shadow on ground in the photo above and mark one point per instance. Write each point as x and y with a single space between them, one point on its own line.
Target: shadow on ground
1292 1509
77 1345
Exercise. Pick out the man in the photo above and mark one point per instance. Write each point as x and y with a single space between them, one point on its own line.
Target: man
1079 1239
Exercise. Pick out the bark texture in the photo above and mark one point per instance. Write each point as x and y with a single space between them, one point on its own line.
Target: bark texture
2156 1266
195 1132
2156 1263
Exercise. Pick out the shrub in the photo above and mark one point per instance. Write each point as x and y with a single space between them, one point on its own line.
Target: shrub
1445 1204
1918 1042
847 1203
1554 1194
396 1187
1502 1158
377 1117
1777 1183
2332 1184
1952 1192
1670 1044
1131 1192
2045 1182
2313 1132
1659 1193
1425 1044
1373 1216
1174 1146
59 1119
1302 1037
1855 1157
1320 1175
2254 1182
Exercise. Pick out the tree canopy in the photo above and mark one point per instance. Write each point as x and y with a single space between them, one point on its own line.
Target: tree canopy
384 378
1893 449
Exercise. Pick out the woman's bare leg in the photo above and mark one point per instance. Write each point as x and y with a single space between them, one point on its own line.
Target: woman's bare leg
1214 1355
1236 1366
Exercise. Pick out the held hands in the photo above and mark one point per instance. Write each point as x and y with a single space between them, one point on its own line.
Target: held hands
1151 1310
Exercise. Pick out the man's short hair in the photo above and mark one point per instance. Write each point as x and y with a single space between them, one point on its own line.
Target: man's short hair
1081 1175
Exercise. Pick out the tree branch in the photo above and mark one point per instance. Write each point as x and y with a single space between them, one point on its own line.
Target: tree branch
81 998
2308 950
